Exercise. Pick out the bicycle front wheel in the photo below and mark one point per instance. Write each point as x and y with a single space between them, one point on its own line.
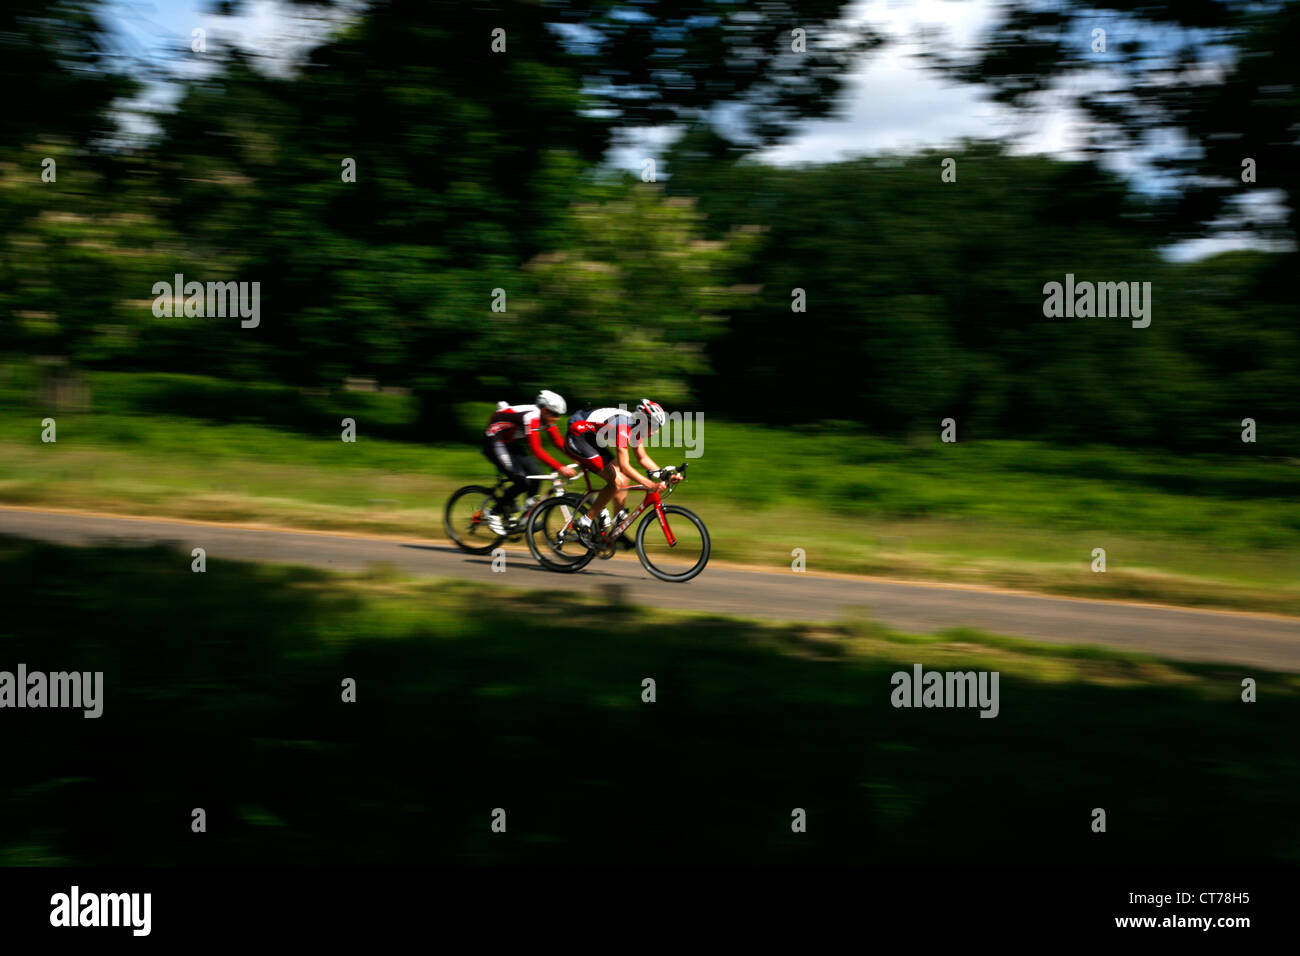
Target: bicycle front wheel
552 538
466 522
679 561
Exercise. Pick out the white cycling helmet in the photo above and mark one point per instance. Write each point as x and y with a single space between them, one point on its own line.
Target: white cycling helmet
552 402
654 413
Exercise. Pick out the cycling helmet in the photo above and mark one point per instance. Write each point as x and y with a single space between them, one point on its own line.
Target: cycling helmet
654 413
550 401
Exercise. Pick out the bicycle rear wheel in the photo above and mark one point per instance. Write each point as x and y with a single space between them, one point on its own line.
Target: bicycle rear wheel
676 562
552 539
466 522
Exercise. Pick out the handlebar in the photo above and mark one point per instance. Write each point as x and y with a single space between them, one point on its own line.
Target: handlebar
666 472
669 470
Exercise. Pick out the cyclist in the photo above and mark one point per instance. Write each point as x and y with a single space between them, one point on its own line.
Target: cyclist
504 445
600 440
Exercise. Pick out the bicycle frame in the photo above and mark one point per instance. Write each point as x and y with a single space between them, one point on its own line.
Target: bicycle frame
652 498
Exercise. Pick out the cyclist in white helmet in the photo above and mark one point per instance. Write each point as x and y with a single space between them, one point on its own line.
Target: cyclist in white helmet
600 441
512 439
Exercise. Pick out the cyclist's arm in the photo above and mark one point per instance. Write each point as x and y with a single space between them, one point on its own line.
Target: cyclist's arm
625 464
535 443
643 456
567 470
557 439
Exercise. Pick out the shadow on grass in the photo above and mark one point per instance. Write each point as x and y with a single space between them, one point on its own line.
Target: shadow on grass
223 692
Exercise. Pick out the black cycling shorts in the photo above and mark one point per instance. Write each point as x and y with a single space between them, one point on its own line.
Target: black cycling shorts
516 461
581 447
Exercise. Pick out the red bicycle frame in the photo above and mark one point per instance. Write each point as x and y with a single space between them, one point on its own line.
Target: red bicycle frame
651 498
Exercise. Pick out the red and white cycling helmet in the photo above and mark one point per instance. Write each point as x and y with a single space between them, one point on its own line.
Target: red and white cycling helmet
654 413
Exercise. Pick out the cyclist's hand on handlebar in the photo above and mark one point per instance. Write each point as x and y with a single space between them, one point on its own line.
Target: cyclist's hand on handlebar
568 471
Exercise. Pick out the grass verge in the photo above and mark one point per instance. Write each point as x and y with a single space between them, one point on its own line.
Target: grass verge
1216 531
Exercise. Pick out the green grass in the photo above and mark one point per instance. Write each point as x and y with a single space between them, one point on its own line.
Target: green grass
223 692
1217 530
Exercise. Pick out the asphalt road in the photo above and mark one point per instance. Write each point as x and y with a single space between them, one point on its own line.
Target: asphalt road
1258 640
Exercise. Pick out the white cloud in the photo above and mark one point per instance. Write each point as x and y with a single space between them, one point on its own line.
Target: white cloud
895 102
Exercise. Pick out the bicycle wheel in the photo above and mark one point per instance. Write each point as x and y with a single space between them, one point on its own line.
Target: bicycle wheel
676 562
550 524
552 546
466 523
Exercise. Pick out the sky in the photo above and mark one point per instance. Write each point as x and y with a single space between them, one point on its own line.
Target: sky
892 101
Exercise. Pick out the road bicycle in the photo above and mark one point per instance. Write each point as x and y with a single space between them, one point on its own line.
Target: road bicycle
466 515
558 543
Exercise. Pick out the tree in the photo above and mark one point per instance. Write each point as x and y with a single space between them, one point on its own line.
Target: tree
924 300
58 71
1197 87
628 301
466 162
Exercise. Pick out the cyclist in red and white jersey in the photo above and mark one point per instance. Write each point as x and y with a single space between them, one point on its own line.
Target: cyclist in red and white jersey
600 440
513 443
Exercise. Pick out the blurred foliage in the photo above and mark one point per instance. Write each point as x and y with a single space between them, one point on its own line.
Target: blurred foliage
628 302
60 74
924 301
646 63
478 172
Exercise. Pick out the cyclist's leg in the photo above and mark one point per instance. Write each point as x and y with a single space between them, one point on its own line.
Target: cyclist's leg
622 484
529 466
619 483
613 483
593 458
494 453
503 457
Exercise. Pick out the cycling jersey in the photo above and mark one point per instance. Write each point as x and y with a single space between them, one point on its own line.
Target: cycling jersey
608 428
515 422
